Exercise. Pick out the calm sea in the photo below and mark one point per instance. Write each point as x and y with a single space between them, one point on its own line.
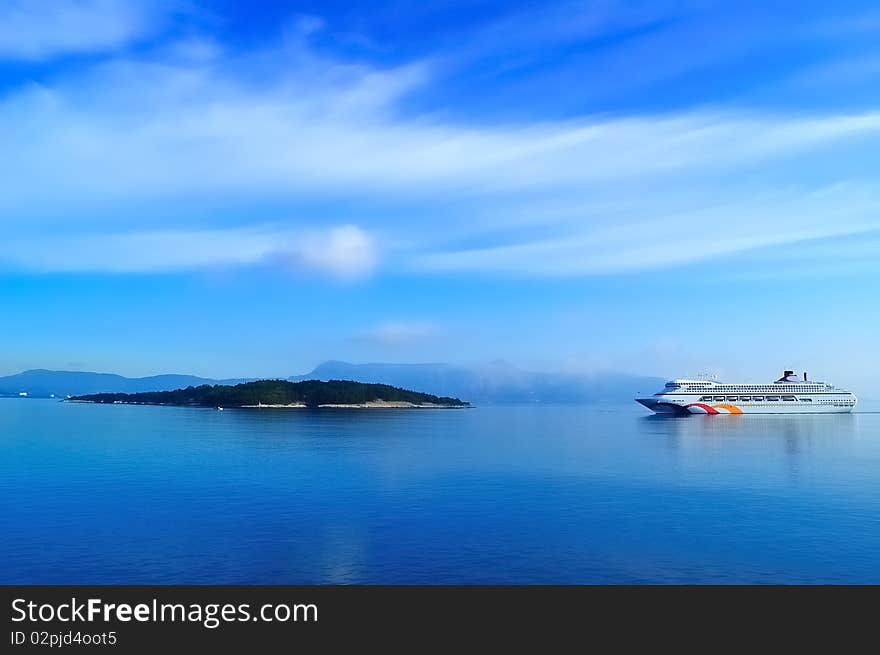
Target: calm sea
522 494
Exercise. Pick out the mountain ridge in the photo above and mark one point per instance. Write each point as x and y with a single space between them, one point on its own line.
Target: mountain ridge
494 382
45 383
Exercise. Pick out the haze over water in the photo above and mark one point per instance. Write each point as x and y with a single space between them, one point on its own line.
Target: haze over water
494 494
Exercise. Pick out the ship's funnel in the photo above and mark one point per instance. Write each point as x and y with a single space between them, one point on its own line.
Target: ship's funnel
805 376
788 376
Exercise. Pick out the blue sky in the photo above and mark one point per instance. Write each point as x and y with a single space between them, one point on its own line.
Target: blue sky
241 189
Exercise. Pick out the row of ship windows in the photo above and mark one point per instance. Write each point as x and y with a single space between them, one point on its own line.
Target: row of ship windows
755 388
760 399
772 399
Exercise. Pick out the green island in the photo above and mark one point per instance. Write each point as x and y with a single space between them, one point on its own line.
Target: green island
280 393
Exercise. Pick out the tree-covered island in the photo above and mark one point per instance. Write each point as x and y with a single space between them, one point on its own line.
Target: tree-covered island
281 393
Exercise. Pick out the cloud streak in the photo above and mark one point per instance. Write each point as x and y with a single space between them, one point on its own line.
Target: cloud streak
664 238
398 334
194 134
344 252
38 29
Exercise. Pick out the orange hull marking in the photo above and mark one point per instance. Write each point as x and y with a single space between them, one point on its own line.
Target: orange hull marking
733 409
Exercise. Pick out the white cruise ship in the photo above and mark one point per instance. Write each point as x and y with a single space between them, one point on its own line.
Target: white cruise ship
787 395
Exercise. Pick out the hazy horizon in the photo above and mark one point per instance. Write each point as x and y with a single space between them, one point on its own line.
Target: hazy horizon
229 191
488 367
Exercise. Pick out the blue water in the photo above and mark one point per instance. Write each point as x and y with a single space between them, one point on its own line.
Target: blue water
524 494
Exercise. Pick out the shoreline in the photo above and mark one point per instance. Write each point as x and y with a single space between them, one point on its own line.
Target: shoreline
372 404
281 394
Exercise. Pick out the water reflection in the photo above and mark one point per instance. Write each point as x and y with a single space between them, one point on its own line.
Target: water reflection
520 494
791 437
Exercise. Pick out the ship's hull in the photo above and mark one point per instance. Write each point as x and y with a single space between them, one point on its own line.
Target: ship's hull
684 407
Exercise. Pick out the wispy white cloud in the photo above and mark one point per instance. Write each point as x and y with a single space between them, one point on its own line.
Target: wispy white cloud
395 334
660 239
588 53
534 27
99 151
40 29
344 252
845 256
160 127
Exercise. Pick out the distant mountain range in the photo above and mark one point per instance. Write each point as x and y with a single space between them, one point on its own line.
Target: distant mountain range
42 384
498 382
